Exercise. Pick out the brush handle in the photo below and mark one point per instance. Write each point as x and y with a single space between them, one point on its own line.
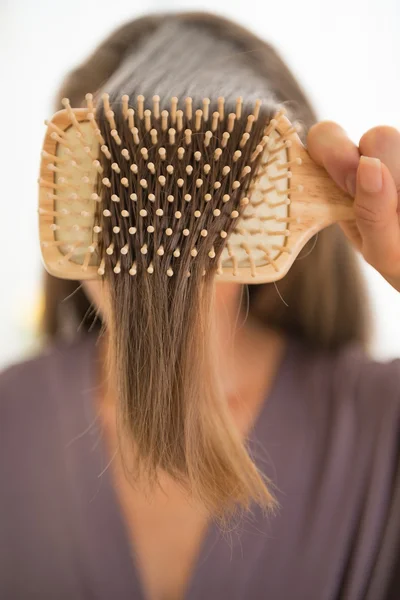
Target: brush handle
320 202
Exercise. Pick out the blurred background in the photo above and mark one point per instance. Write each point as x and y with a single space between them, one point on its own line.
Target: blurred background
346 54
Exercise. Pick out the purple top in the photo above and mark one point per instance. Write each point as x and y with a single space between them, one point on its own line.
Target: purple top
328 437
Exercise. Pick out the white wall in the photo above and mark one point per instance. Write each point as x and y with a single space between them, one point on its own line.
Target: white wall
346 53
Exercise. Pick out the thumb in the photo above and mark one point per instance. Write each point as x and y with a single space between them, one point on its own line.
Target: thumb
375 208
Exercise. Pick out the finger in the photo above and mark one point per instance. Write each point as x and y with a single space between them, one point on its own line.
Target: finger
375 209
351 231
384 143
329 146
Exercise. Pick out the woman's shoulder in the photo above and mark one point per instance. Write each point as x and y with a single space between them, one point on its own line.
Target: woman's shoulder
45 402
339 421
32 370
346 406
350 380
45 408
30 388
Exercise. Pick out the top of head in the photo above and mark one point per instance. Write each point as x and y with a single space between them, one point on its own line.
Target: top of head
134 187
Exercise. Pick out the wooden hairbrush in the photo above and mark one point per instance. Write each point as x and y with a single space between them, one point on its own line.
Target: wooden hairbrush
129 188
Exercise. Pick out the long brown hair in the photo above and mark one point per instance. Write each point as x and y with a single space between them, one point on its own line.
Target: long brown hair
170 405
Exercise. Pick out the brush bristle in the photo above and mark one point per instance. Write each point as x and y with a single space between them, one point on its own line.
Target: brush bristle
169 188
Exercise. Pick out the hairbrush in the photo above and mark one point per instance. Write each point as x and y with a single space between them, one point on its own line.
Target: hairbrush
138 189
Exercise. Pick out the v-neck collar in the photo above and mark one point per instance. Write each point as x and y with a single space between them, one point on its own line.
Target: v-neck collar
103 546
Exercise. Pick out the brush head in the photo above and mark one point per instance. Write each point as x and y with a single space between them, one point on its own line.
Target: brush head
141 190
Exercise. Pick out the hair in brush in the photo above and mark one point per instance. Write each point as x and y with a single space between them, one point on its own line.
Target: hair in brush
172 411
171 194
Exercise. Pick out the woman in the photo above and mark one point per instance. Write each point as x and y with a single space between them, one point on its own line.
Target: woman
79 519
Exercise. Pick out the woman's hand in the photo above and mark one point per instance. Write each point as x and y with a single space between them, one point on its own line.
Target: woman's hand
371 174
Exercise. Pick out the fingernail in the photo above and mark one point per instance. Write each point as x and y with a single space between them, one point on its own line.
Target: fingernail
370 174
350 183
